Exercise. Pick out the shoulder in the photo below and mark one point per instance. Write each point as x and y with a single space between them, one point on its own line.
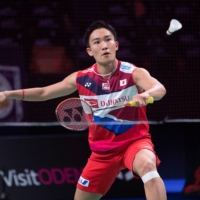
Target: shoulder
86 71
140 73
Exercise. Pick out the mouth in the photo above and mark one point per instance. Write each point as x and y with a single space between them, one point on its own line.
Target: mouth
105 54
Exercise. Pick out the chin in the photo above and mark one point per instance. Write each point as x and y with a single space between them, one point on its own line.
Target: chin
105 60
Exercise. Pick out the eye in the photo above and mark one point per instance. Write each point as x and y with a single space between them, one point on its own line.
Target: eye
96 42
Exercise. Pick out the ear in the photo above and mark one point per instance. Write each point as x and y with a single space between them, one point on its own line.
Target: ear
89 51
117 45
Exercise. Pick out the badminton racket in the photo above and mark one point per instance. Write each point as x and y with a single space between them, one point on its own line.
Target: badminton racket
77 114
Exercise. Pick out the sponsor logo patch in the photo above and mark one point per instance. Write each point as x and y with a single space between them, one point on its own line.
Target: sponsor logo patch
92 102
83 182
105 86
125 67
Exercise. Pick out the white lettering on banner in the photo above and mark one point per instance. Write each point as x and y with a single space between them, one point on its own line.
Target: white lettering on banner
69 175
21 179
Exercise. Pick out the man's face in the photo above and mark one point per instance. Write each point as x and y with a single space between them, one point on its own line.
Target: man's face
102 46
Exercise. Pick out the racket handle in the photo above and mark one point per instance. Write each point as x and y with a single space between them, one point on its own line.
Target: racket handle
149 100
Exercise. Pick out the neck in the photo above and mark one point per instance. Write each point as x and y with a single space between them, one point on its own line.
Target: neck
107 70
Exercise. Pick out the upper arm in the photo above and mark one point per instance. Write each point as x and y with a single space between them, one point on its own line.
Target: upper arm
143 79
62 88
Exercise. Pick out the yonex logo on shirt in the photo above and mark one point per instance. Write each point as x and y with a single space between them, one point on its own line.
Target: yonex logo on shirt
88 84
83 182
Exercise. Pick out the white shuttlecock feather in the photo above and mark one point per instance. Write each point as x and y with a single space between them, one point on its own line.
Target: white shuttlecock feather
175 25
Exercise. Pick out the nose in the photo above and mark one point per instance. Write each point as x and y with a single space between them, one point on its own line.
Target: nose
104 45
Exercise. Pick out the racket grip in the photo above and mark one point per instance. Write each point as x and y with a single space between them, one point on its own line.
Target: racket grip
149 100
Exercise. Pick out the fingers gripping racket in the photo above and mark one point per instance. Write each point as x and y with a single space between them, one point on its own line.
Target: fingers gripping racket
76 114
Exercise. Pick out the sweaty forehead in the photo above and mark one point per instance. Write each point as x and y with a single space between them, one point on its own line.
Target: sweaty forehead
100 33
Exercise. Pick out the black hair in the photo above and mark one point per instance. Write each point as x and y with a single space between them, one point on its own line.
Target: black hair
97 25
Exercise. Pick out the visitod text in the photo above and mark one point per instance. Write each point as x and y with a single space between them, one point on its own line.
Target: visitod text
68 175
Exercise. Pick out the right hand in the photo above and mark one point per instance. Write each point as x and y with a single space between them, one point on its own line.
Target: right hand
2 100
141 99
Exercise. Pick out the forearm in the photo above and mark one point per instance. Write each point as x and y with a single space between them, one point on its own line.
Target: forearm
33 94
157 92
62 88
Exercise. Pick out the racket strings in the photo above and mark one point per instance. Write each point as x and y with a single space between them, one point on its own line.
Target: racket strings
74 114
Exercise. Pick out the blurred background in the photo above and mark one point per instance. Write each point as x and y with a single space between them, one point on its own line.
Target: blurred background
41 43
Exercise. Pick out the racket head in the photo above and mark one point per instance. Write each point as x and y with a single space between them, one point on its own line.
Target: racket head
74 114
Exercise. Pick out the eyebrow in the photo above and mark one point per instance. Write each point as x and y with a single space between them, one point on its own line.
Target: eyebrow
106 36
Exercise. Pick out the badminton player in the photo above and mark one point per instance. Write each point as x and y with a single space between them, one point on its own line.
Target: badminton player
114 146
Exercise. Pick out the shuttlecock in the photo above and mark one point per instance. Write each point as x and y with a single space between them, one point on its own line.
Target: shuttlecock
175 25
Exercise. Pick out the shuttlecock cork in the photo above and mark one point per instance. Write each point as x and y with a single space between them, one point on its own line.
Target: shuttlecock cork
175 25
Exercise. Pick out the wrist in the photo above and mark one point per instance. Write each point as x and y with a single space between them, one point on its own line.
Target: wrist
23 94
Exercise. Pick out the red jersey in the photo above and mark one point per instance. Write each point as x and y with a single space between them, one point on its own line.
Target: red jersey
115 126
